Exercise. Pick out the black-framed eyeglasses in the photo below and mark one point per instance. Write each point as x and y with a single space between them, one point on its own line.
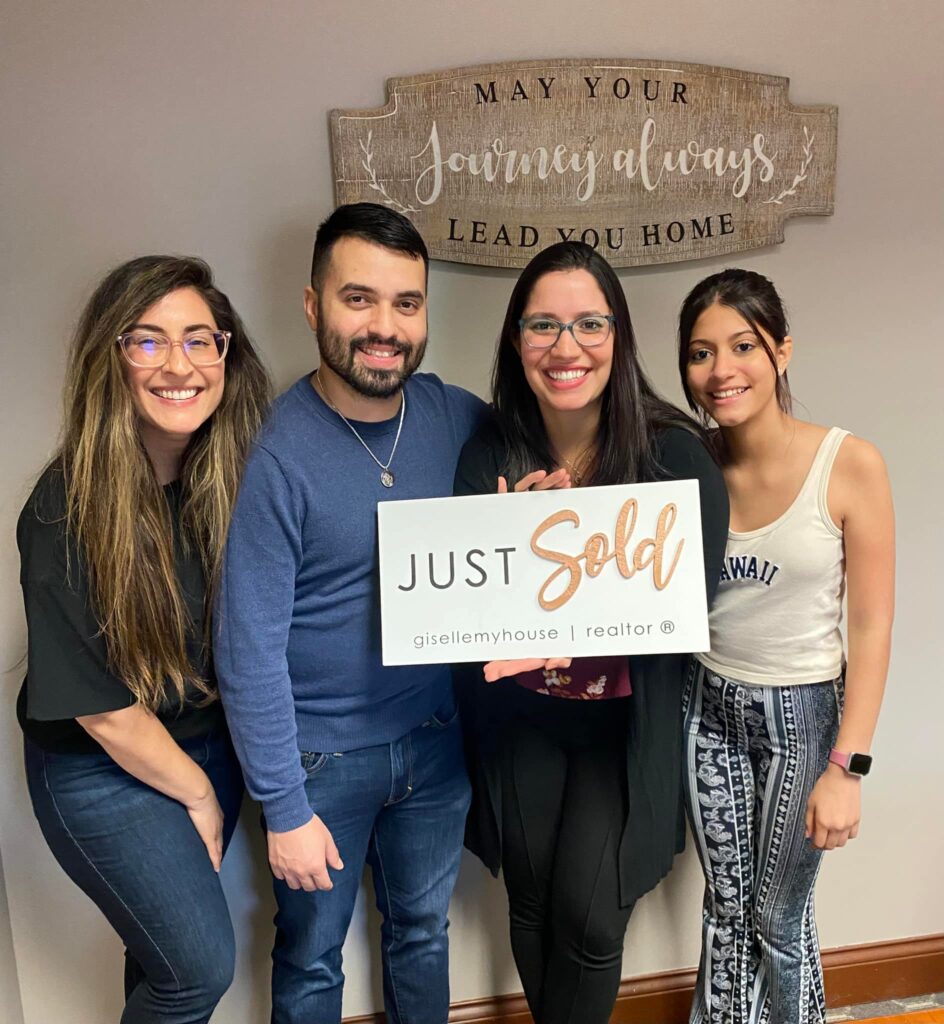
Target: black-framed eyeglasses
152 349
543 332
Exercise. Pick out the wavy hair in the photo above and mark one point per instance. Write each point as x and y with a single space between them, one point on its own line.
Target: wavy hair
116 513
632 412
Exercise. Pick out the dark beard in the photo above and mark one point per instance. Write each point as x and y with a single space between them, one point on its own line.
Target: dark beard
338 353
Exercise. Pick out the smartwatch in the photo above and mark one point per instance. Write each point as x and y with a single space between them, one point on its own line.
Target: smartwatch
853 764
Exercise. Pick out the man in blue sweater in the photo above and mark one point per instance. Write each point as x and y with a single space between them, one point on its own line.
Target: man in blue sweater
352 762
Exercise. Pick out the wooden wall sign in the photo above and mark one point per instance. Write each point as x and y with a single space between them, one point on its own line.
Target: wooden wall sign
648 161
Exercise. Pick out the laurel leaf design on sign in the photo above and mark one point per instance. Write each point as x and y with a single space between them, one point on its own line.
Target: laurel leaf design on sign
801 176
367 164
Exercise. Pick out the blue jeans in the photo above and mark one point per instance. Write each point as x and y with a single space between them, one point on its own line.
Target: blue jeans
135 853
401 808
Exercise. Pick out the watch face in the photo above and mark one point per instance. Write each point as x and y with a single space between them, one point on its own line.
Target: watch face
859 764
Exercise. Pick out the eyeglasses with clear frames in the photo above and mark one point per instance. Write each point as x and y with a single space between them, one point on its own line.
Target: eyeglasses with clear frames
152 349
543 332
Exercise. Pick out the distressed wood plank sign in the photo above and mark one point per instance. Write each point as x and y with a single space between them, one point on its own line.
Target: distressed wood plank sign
648 161
593 570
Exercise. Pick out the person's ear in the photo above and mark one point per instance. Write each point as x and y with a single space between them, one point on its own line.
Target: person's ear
784 355
311 307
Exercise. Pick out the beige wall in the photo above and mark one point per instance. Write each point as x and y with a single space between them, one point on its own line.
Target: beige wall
200 126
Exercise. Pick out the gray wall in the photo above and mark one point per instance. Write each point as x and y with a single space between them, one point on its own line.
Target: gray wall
200 126
9 983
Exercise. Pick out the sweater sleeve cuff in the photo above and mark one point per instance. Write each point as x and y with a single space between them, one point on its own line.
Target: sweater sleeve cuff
288 812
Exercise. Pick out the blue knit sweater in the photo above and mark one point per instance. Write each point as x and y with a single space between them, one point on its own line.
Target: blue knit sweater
297 627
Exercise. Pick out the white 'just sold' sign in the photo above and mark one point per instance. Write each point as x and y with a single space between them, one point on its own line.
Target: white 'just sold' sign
601 570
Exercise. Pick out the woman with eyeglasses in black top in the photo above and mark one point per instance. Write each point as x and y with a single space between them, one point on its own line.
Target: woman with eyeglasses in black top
577 765
131 773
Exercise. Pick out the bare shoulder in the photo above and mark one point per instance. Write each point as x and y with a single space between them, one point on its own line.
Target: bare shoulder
807 439
810 433
859 489
860 461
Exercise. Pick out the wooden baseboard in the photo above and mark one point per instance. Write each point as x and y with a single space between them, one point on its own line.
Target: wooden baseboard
854 974
884 970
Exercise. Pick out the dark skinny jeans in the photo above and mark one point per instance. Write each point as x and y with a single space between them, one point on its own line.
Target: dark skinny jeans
564 805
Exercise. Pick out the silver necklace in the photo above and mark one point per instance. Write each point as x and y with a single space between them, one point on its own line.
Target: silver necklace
576 472
386 477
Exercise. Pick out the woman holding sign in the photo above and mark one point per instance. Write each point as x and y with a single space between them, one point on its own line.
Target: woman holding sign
578 800
773 776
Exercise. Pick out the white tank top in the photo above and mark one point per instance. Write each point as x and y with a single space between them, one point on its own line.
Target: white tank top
775 619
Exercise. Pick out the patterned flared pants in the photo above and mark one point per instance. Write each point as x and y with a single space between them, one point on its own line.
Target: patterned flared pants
753 754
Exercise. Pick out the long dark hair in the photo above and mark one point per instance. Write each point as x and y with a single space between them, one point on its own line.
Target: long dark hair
755 298
632 412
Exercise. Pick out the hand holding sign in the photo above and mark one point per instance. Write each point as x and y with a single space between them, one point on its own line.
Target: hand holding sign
495 670
539 480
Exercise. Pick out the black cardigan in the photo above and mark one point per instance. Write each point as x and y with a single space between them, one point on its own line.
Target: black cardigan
655 827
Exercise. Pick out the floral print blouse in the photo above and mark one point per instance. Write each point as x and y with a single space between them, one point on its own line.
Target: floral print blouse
586 679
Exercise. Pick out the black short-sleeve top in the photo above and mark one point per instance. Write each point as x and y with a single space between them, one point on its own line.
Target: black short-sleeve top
68 673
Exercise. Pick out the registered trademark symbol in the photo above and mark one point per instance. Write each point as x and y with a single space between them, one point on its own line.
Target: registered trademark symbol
668 626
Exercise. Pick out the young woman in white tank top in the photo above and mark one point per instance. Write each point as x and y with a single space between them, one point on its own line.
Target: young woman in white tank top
773 776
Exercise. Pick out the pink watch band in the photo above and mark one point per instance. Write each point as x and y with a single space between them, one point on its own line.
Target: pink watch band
838 757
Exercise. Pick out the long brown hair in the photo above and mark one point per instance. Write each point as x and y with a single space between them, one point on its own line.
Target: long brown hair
116 513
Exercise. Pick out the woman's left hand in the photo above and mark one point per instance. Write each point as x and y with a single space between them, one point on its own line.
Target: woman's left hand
496 670
207 818
833 809
539 480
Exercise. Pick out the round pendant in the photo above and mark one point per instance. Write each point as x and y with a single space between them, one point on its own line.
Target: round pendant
386 478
